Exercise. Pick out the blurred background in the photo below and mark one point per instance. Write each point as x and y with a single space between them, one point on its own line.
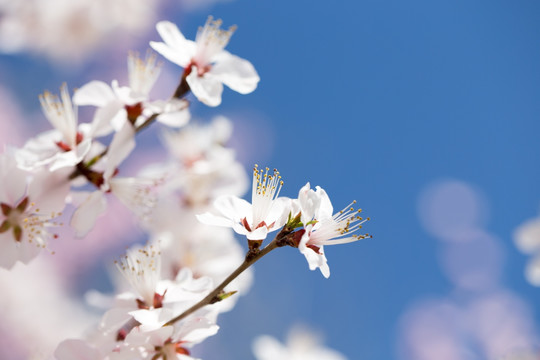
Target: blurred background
425 112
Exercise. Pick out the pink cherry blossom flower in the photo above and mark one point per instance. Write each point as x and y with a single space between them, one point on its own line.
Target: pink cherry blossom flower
207 65
267 213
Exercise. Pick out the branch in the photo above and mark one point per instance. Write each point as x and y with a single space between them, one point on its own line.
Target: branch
281 239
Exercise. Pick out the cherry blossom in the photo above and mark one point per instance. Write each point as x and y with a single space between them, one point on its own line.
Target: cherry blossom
66 145
167 342
301 345
201 167
29 208
267 213
135 193
322 228
207 65
117 104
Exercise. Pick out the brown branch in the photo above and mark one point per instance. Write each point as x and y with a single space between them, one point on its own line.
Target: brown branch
281 239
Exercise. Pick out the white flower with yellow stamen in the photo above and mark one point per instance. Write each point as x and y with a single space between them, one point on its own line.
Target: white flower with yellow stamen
266 213
142 269
29 208
322 228
207 65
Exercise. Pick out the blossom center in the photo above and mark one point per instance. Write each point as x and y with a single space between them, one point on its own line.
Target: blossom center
266 188
169 350
142 268
65 147
211 40
19 218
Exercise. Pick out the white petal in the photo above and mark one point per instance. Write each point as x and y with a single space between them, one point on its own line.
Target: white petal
121 146
315 260
206 88
174 113
13 179
103 118
235 72
73 349
197 330
241 230
114 319
258 234
215 220
95 93
39 151
170 33
174 119
175 47
49 190
12 251
71 158
309 203
326 209
267 348
234 208
85 216
278 215
153 318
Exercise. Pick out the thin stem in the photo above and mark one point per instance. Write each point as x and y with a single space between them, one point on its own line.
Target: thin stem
183 88
251 258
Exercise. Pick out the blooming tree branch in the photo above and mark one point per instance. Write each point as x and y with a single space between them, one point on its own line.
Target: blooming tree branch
189 204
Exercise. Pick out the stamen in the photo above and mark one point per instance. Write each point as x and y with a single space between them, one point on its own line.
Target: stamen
142 268
143 73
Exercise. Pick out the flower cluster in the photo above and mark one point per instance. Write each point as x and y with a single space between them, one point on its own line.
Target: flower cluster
176 286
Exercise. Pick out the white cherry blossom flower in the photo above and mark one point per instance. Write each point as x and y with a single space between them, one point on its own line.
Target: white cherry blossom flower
29 206
207 65
118 104
138 194
201 168
267 213
301 345
141 267
66 145
321 228
168 342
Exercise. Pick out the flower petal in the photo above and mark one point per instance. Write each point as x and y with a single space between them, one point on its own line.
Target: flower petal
216 220
174 113
175 47
103 118
234 208
95 93
12 251
121 146
74 349
206 88
258 234
235 72
85 216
